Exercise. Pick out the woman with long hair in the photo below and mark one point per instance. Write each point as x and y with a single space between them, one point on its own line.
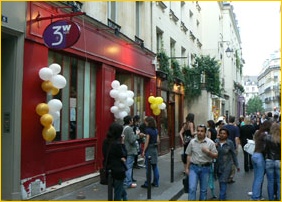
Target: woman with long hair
273 161
186 133
151 149
114 153
258 159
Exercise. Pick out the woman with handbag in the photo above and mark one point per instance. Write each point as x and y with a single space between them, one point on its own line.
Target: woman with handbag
114 153
186 133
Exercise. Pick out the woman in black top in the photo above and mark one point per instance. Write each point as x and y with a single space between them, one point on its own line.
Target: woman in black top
212 133
114 153
246 132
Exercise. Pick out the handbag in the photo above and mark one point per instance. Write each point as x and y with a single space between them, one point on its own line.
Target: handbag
250 147
103 176
103 171
185 182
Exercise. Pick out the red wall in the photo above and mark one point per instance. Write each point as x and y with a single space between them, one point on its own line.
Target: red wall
66 160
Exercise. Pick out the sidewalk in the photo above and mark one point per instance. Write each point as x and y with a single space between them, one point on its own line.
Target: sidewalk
166 191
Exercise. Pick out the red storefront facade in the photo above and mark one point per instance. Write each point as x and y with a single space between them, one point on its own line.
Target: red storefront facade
46 164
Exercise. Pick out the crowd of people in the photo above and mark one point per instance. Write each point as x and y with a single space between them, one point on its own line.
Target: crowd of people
209 154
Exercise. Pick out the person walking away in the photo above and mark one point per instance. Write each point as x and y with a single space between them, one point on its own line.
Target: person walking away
234 136
200 153
186 133
114 150
272 162
130 144
258 160
246 132
151 149
226 158
212 134
257 123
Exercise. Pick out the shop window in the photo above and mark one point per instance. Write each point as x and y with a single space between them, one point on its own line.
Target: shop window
135 84
77 117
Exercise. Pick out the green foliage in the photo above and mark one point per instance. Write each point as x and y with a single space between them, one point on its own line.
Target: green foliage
239 66
254 105
239 88
204 66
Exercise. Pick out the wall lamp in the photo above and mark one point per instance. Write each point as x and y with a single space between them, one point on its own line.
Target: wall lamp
228 52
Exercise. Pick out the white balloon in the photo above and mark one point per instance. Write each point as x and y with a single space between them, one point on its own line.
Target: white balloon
116 115
162 106
122 96
115 84
56 68
127 109
114 109
123 88
56 115
114 93
130 94
122 114
58 81
129 101
116 103
55 105
45 73
121 106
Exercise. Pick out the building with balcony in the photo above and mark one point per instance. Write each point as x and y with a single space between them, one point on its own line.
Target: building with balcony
250 84
269 82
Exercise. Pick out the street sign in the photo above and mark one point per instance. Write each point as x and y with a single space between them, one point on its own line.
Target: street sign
61 34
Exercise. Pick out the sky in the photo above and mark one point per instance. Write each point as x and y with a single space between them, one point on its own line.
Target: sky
259 25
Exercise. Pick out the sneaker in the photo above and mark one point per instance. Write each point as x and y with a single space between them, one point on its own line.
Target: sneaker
250 193
133 185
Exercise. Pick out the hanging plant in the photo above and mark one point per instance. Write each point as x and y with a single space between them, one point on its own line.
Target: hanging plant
164 66
238 88
176 70
204 72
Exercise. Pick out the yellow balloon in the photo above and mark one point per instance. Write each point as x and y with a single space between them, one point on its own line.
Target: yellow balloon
151 99
46 120
49 133
156 111
47 86
159 100
154 106
42 109
54 90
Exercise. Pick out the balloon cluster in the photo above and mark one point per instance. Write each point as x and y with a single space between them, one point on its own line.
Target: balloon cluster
50 112
52 80
157 104
123 99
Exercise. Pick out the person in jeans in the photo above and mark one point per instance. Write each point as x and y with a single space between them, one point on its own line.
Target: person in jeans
246 132
130 144
151 149
114 153
226 158
200 153
258 160
273 161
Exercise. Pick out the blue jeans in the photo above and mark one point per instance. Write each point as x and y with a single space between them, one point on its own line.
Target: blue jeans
196 174
259 170
119 191
155 173
272 168
128 173
222 190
